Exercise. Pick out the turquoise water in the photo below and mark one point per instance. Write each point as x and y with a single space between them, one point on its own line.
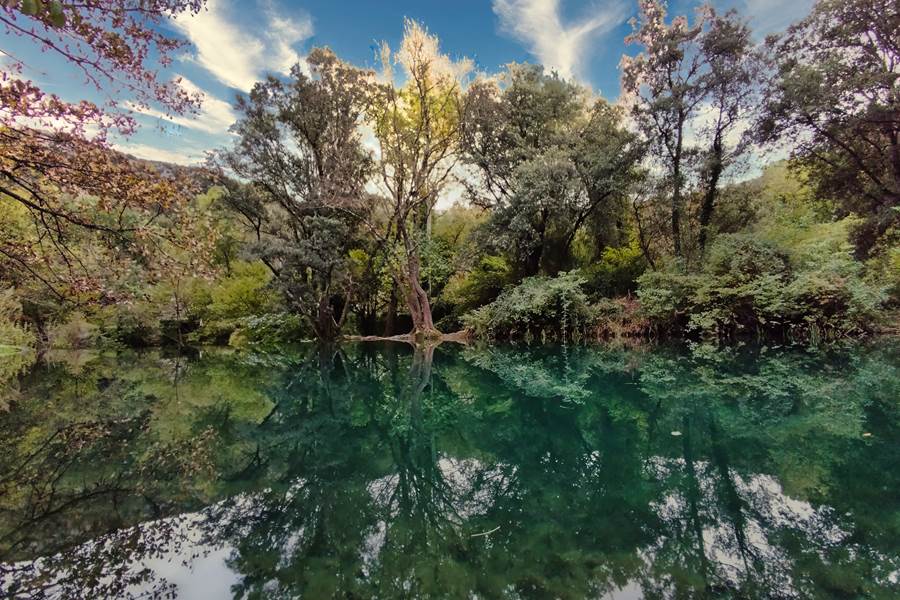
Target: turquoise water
377 471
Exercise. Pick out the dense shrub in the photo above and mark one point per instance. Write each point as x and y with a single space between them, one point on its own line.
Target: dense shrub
132 324
268 330
17 346
243 293
470 289
539 307
884 267
14 336
616 273
809 286
480 285
192 310
223 307
617 319
74 332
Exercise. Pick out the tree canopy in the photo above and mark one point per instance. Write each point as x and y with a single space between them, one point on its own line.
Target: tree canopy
431 196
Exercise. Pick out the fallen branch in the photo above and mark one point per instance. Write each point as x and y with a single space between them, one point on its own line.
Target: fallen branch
485 532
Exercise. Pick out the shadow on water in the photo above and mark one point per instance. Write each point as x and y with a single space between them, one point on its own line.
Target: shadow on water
387 471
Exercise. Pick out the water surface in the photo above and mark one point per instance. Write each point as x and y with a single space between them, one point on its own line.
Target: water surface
377 471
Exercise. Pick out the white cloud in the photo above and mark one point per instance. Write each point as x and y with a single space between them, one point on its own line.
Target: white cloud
148 152
283 34
559 46
233 53
215 116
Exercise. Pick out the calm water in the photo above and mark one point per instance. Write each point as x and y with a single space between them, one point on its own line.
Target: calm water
378 472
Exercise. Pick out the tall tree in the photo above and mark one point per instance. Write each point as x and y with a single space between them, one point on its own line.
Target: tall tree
836 96
416 126
729 84
55 161
299 150
662 82
550 161
690 90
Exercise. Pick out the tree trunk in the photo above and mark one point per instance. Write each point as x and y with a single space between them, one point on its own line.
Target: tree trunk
326 329
712 190
642 240
417 300
416 296
390 318
533 260
677 183
676 210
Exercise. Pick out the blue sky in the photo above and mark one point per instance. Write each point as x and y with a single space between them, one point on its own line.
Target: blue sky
236 42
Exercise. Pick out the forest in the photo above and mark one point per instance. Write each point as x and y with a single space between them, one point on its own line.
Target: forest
735 188
422 329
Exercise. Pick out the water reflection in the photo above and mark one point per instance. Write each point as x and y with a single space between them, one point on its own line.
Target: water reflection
451 472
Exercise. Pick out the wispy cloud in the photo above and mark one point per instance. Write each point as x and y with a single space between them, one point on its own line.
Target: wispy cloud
148 152
559 46
234 52
215 115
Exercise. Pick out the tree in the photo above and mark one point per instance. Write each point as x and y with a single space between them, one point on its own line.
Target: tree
550 161
56 163
416 126
663 85
299 151
690 88
115 45
834 94
729 84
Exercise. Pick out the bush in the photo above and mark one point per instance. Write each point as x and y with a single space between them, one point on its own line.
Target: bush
14 337
616 273
268 330
244 293
620 319
133 324
808 287
543 307
479 286
76 332
17 346
223 307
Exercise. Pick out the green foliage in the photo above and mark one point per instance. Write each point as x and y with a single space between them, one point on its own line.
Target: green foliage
17 343
619 319
805 285
298 148
553 162
884 269
14 337
834 98
74 332
241 302
268 330
480 285
456 224
299 244
543 307
205 311
437 263
243 293
616 273
135 324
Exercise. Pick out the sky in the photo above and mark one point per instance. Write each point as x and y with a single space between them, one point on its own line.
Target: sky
237 42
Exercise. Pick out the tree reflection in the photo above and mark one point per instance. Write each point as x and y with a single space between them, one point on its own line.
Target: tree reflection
425 472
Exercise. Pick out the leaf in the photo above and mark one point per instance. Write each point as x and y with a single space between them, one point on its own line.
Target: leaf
57 16
29 7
